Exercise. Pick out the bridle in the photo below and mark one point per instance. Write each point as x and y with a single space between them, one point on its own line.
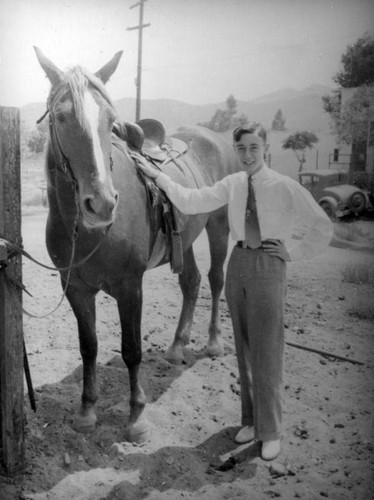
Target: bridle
63 161
65 167
68 172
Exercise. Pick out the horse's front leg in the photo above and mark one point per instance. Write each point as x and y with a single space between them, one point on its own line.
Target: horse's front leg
189 281
218 232
129 298
82 302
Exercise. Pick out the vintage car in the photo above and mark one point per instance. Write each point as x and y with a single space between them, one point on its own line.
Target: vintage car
331 190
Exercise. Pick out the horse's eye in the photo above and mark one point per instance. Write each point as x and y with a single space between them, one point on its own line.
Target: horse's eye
61 118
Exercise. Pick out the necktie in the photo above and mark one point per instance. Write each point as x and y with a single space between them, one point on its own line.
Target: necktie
252 228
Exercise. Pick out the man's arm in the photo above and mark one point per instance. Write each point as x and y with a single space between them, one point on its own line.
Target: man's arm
195 200
319 228
187 200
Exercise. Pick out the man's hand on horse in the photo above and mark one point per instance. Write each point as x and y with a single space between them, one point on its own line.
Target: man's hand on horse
144 165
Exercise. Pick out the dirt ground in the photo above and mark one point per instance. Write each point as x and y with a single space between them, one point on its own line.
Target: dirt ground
194 409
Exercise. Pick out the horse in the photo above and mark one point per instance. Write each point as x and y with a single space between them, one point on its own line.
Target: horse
99 216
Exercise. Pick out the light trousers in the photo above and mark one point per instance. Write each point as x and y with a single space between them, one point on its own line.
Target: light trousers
255 292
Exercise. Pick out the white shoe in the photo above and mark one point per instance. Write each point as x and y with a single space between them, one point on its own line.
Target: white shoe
245 435
270 449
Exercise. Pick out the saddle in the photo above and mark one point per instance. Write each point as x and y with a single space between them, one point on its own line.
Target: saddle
156 145
148 138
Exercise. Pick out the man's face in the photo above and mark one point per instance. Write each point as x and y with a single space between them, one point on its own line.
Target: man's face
250 150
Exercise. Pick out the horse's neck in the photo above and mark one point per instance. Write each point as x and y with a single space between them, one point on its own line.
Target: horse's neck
124 165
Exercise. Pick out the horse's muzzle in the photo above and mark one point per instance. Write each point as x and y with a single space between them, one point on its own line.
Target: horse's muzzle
99 210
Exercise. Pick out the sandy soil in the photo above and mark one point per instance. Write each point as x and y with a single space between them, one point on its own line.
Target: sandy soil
194 409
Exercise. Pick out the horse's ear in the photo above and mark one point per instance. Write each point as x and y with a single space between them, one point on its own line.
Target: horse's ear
51 70
107 71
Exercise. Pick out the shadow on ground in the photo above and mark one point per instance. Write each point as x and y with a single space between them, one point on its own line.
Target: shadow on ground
54 450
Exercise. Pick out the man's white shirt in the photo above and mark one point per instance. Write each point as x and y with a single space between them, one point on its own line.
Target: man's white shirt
284 208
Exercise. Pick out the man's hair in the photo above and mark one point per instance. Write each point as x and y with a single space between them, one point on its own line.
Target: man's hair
253 128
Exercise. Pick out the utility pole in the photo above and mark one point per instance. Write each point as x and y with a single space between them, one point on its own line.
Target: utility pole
140 27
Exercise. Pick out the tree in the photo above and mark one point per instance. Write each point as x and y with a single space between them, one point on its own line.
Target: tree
38 137
358 64
224 119
298 143
351 123
220 121
231 105
357 71
242 120
279 122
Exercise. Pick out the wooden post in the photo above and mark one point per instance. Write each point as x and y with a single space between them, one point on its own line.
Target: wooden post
11 331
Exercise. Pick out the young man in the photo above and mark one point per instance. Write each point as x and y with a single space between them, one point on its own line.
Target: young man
264 209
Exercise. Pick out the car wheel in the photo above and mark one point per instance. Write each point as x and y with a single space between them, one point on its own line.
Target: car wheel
357 203
329 209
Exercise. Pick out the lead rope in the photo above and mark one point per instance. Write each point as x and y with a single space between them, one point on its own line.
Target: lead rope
69 268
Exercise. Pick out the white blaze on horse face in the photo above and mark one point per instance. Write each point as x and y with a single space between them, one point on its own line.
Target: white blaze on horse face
91 111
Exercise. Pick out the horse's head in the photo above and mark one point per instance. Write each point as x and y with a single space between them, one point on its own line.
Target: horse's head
81 120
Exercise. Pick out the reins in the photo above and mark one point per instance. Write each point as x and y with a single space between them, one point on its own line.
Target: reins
15 249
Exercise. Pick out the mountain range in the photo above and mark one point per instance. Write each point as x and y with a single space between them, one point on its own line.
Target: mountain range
302 110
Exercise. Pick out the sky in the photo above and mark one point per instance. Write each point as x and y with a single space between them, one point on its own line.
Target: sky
195 51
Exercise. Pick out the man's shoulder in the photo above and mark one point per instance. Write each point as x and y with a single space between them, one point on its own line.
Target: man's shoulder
282 178
277 175
236 177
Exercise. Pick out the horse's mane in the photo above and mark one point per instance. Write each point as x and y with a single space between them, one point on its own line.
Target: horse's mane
76 81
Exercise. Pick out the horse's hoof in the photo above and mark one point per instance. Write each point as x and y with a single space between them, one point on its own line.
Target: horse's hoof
175 355
85 423
214 350
137 433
